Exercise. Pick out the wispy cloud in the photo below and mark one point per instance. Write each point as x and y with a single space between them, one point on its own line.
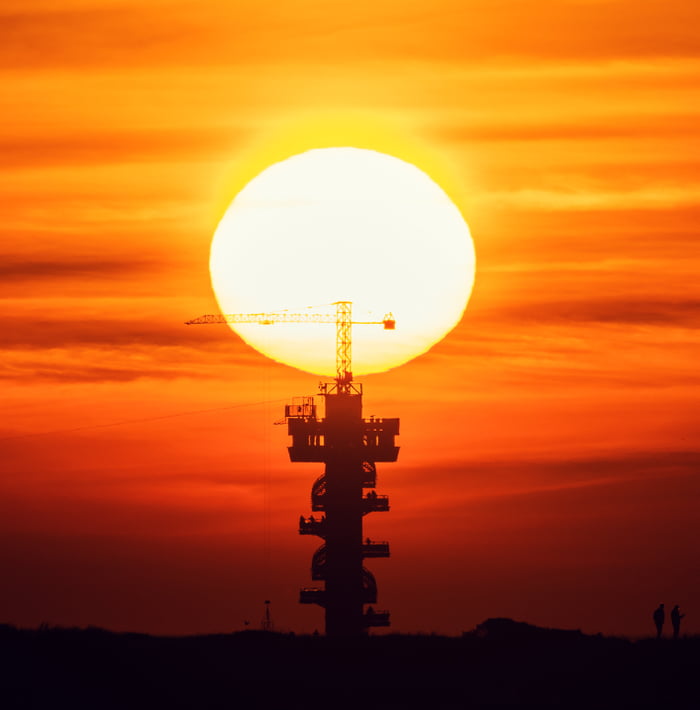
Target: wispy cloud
633 311
517 478
14 269
110 147
226 33
659 197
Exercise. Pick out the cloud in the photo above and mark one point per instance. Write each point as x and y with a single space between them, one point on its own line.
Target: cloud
553 30
136 35
616 310
633 311
113 147
120 360
651 197
48 284
233 33
102 328
15 268
516 478
76 373
99 347
597 128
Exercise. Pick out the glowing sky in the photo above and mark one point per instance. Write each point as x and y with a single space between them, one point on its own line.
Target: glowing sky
549 461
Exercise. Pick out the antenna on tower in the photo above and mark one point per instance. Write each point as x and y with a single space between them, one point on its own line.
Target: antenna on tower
266 623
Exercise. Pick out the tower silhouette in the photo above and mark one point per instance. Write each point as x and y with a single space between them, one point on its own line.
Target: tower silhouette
349 446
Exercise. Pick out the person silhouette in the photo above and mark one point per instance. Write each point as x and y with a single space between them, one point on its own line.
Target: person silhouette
676 617
659 618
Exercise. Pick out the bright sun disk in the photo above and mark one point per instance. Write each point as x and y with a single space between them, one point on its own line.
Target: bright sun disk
343 224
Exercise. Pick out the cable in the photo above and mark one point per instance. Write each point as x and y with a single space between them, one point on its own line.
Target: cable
124 422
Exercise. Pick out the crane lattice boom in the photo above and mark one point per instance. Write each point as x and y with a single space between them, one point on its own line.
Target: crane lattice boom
342 319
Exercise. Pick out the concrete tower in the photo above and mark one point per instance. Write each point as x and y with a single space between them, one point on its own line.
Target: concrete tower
349 446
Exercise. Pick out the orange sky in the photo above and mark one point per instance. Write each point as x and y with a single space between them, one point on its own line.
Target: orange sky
549 462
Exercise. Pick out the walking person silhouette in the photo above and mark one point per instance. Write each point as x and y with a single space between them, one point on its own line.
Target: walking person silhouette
659 618
676 617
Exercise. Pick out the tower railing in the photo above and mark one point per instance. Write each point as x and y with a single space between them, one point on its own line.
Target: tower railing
309 442
376 618
312 526
318 564
312 595
369 474
373 503
369 587
370 548
318 493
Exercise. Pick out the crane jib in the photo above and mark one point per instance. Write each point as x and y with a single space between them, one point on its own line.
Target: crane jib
342 319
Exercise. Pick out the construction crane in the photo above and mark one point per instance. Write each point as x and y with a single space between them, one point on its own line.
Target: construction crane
343 329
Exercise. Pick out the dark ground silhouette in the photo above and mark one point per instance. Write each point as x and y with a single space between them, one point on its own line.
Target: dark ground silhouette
501 661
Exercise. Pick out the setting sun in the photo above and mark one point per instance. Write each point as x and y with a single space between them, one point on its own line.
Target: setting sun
344 224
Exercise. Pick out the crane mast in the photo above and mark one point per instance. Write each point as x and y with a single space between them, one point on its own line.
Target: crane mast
343 343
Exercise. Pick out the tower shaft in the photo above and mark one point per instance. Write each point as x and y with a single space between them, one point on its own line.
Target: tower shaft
349 446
